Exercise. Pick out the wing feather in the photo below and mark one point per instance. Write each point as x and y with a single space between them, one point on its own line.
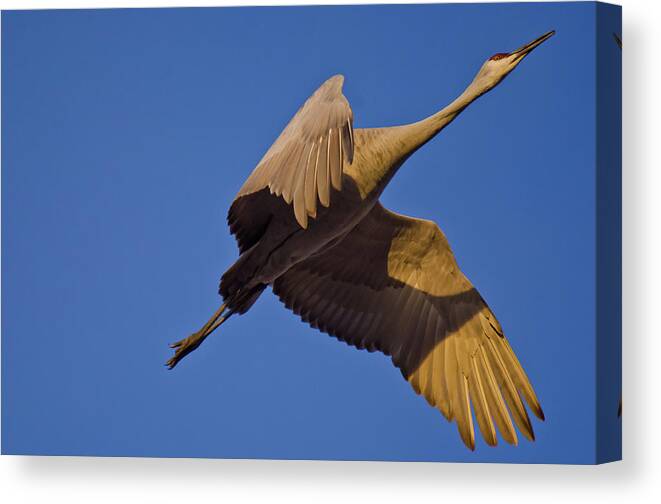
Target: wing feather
311 181
335 152
520 379
440 392
495 399
300 210
512 397
482 412
323 187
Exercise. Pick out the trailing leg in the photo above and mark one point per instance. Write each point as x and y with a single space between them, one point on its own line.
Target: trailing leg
239 302
187 345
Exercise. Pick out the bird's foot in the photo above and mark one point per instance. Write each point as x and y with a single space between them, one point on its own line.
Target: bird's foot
185 346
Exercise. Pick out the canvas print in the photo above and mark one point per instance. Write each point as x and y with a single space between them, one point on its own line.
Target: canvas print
437 186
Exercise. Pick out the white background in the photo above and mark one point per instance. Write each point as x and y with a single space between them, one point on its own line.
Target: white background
68 479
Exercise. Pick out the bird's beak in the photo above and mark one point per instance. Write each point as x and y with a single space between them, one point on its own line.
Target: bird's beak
521 52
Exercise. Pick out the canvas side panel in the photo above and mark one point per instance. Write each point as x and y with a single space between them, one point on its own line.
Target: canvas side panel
609 232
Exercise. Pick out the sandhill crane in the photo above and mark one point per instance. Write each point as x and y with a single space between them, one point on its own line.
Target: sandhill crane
308 223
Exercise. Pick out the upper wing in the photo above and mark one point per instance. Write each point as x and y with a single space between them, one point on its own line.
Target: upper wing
309 155
392 284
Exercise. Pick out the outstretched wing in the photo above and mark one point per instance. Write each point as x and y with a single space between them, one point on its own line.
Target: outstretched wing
393 285
309 155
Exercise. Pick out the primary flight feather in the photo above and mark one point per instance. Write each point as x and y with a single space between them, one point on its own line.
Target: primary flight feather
308 222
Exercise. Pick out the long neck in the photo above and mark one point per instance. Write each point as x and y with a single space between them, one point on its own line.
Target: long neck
417 134
383 150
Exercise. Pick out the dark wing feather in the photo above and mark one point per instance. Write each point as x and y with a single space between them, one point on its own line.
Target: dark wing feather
393 285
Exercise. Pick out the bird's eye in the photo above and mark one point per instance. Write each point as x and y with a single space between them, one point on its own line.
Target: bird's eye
498 56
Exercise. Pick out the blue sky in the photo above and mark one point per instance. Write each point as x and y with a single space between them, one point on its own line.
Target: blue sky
125 136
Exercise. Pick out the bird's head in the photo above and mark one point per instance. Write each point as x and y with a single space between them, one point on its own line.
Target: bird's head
496 68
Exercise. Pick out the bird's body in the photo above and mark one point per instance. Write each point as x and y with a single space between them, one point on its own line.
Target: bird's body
308 222
285 243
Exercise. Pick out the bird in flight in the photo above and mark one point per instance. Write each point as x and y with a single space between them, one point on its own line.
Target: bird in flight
308 223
